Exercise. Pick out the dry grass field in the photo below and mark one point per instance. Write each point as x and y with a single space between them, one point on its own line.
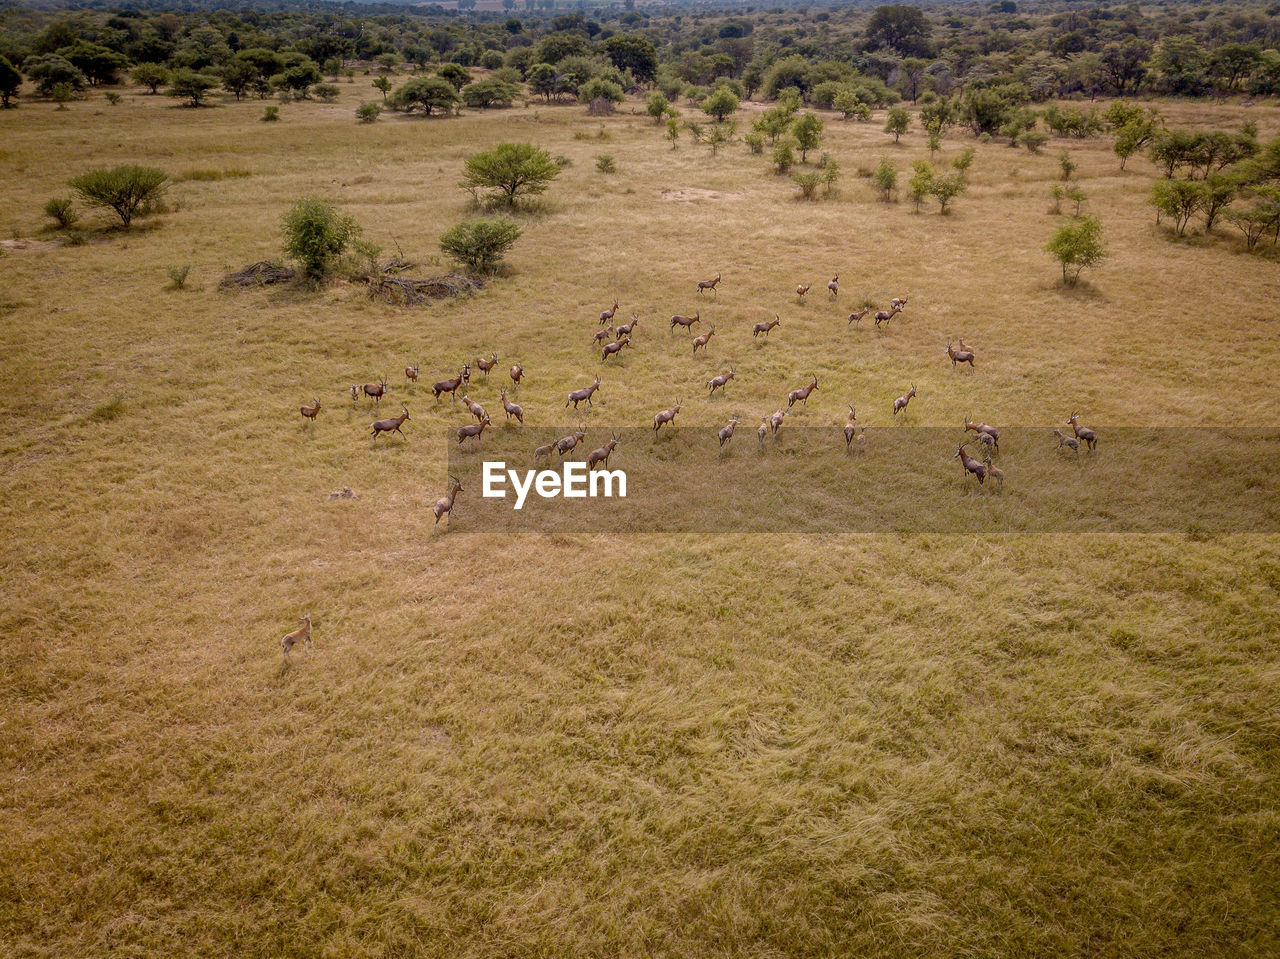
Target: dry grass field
568 744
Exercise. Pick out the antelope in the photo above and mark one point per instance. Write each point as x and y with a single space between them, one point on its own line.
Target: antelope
626 328
704 339
989 442
685 322
1083 432
602 454
802 393
475 429
449 386
718 382
861 439
567 444
834 286
982 429
511 409
666 416
355 393
726 433
970 464
375 390
762 430
542 451
884 316
312 411
704 285
775 421
898 304
607 315
994 472
765 327
517 374
610 349
466 373
901 402
857 317
476 409
1068 441
444 505
392 425
605 335
411 373
850 427
802 289
300 635
577 396
487 365
959 356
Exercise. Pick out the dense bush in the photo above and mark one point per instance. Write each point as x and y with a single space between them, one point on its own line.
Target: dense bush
480 244
316 234
512 171
488 93
428 94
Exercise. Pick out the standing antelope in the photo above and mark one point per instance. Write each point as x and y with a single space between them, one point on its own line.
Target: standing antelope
626 328
411 374
355 393
765 327
726 433
982 429
802 393
542 451
704 285
704 339
444 505
884 316
601 455
1070 442
475 429
603 335
449 386
511 409
685 322
312 411
959 356
607 315
610 349
775 421
567 444
718 382
487 365
476 409
850 427
517 374
970 464
577 396
834 286
802 289
300 635
1089 436
898 304
901 402
857 317
390 426
762 430
666 416
994 472
375 390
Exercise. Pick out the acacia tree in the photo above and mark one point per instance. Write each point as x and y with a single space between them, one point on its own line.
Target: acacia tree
127 189
1077 245
512 170
1178 199
189 85
425 94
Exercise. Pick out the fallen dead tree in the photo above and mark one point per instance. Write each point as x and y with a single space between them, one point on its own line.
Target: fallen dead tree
406 291
262 273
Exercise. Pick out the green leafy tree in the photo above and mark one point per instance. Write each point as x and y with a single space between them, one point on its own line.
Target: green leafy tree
629 51
1066 165
327 92
10 82
1179 200
885 178
830 174
807 132
898 123
316 234
847 102
657 106
1220 191
945 189
488 93
298 78
480 244
188 85
49 70
1057 193
99 64
598 88
1077 246
150 75
237 76
512 170
921 181
428 94
720 103
368 112
963 160
673 130
383 86
784 155
899 26
776 121
128 189
456 74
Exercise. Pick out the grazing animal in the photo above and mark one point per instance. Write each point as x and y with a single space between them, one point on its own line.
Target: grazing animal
511 409
718 382
542 451
607 315
802 289
602 336
775 421
685 322
704 339
762 430
475 429
765 327
857 317
626 328
970 464
312 411
487 365
901 402
449 386
802 393
704 285
411 373
666 416
611 349
601 455
994 472
959 356
444 505
850 427
300 635
567 444
517 374
476 409
834 286
578 396
884 316
1070 442
726 433
982 429
898 304
375 390
390 426
1089 436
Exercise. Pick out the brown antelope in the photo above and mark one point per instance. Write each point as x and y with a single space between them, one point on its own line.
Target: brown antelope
542 451
390 426
685 322
449 386
989 443
601 455
444 505
300 635
898 304
704 285
884 316
970 464
802 393
487 365
982 429
312 411
775 421
704 339
718 382
1089 436
857 317
612 349
355 393
762 430
802 289
666 416
567 444
475 429
861 440
517 374
607 315
603 336
476 409
994 472
959 356
834 286
901 402
511 409
1070 442
375 391
726 433
626 328
577 396
411 374
850 427
765 327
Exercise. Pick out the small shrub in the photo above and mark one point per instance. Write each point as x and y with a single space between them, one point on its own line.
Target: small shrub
480 244
368 112
1076 196
327 92
1057 193
963 160
755 142
112 97
784 156
606 164
898 123
1077 245
1033 140
270 114
561 161
886 179
62 212
1067 165
316 234
178 276
113 409
808 183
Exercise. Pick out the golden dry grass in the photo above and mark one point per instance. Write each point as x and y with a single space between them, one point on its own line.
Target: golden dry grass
570 745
